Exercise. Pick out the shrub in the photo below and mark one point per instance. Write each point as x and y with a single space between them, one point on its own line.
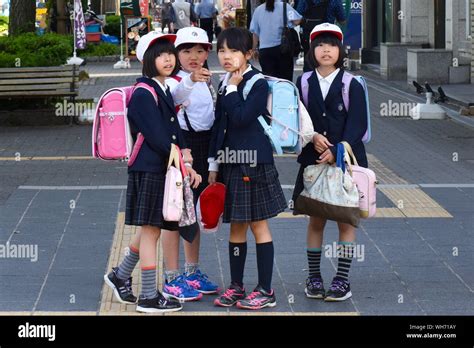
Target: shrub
113 25
99 50
32 50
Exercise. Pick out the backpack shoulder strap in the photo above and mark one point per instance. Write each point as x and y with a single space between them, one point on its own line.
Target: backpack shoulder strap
148 88
346 84
305 86
249 84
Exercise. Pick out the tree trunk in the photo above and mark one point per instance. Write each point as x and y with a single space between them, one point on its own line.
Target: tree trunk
95 5
22 17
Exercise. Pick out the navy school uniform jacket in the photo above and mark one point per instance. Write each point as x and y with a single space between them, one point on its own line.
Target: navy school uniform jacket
332 120
236 126
158 124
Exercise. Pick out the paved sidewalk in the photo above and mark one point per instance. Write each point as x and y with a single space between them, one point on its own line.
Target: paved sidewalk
418 251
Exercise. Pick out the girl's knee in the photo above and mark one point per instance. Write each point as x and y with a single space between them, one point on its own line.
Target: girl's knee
316 224
150 232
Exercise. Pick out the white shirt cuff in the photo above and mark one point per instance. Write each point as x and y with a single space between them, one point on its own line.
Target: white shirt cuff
188 83
213 164
230 89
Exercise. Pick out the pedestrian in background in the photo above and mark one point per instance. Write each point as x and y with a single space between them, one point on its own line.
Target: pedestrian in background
168 17
206 11
182 10
267 26
316 12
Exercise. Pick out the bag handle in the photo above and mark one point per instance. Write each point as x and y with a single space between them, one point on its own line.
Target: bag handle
182 167
350 153
285 19
174 156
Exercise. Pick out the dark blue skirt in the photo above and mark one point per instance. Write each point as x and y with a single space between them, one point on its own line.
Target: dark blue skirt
145 192
258 198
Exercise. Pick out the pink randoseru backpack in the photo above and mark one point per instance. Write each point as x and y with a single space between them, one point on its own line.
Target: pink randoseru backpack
111 136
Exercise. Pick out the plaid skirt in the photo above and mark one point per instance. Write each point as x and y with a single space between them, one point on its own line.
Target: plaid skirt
145 192
199 142
259 198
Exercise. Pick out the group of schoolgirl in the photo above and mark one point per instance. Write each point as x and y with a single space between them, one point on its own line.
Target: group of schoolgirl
187 115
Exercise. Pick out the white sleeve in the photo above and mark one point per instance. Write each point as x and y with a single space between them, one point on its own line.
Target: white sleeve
213 164
181 91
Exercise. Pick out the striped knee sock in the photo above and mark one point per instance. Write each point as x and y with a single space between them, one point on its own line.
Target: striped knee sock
314 262
149 282
128 264
345 252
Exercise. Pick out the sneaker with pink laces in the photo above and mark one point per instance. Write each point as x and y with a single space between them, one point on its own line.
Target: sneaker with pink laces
230 297
258 299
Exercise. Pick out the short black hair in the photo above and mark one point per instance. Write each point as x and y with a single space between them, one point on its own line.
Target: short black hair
235 38
330 39
154 51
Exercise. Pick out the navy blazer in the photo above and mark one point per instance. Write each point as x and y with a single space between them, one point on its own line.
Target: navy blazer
236 126
331 119
158 124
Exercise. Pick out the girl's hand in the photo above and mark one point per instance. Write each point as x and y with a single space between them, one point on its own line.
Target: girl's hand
196 179
201 75
187 158
212 178
321 143
326 157
236 78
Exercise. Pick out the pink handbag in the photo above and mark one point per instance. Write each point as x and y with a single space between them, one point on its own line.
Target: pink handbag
366 183
173 198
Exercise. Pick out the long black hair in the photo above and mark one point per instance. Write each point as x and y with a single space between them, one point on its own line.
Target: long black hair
330 39
270 5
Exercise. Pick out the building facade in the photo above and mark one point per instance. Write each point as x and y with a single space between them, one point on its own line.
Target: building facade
427 31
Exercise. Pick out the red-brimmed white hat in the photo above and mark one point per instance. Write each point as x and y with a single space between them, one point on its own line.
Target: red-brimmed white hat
148 39
326 28
192 35
210 207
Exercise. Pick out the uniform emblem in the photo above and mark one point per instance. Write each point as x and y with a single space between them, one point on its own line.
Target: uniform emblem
340 107
194 33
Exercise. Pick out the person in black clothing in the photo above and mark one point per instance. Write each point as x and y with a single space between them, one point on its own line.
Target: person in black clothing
316 12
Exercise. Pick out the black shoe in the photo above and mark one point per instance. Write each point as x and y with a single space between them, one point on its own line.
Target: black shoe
315 288
340 290
122 288
230 297
158 304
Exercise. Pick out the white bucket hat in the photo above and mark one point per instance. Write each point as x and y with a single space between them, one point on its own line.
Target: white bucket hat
148 39
192 35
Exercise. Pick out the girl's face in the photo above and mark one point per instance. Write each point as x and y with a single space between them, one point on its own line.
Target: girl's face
326 55
192 59
165 64
232 60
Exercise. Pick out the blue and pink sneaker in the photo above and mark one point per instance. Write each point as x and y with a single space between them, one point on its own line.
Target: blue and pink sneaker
258 299
180 290
200 282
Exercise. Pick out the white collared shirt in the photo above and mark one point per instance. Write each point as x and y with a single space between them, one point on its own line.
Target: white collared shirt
164 87
233 88
325 82
196 98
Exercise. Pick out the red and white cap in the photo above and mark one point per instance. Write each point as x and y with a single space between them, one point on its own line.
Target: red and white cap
210 207
326 28
148 39
192 35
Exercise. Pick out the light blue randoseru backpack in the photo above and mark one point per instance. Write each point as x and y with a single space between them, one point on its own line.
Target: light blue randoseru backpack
285 115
